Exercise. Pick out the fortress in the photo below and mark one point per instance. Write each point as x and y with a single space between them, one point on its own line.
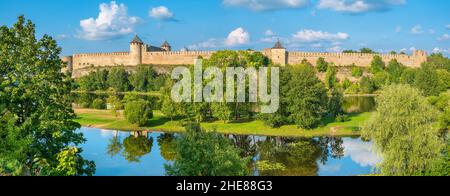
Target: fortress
140 53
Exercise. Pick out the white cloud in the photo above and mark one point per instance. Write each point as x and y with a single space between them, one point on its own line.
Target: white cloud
398 29
361 152
448 26
237 37
269 33
264 5
444 37
308 35
440 50
112 22
417 30
161 13
334 49
358 6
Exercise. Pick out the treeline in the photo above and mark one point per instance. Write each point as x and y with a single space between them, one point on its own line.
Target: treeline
305 100
432 78
144 79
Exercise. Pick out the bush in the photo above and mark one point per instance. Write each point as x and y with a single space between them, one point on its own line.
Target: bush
322 65
85 105
342 118
138 112
99 104
357 72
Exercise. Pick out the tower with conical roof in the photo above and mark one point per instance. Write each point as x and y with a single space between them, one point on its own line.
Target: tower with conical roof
278 54
136 50
166 46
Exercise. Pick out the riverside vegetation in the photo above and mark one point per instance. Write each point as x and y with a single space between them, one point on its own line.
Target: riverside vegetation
37 129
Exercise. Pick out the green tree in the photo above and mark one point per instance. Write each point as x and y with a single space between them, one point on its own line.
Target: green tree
357 71
143 79
35 102
99 104
118 79
138 112
221 111
408 76
395 71
403 132
304 96
136 146
322 65
331 80
200 153
366 50
377 64
427 80
366 85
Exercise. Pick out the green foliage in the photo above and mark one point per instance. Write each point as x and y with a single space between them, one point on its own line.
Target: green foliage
99 104
395 71
143 79
70 163
200 153
366 85
377 64
367 50
136 146
221 111
427 80
118 79
408 76
403 132
138 112
342 118
35 101
438 61
346 84
322 65
357 71
381 79
331 80
96 80
335 102
303 95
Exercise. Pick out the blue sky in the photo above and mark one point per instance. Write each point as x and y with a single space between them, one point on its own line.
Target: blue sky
305 25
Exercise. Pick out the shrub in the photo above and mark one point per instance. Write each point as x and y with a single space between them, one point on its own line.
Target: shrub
357 71
99 104
322 65
342 118
138 112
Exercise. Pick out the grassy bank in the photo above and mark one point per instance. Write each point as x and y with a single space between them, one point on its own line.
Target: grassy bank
107 120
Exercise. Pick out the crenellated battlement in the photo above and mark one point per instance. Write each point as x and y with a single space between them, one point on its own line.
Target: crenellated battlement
102 54
141 53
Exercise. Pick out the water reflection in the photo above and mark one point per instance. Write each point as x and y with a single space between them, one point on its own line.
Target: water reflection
358 104
133 153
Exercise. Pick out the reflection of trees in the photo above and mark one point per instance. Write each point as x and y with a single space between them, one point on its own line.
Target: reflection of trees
299 156
244 142
358 104
136 146
114 146
166 144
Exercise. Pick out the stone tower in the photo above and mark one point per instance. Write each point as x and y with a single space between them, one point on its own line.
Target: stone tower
278 54
420 57
136 46
166 46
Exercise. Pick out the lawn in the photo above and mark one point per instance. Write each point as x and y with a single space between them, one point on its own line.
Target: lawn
107 120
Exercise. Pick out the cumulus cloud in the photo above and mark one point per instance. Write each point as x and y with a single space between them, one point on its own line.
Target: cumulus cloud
308 35
112 22
334 49
358 6
161 13
440 50
417 30
269 33
361 152
444 37
235 38
264 5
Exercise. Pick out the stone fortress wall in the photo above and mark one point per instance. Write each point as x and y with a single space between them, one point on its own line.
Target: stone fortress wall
140 53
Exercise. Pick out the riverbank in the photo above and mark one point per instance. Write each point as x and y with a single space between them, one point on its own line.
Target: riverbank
105 119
